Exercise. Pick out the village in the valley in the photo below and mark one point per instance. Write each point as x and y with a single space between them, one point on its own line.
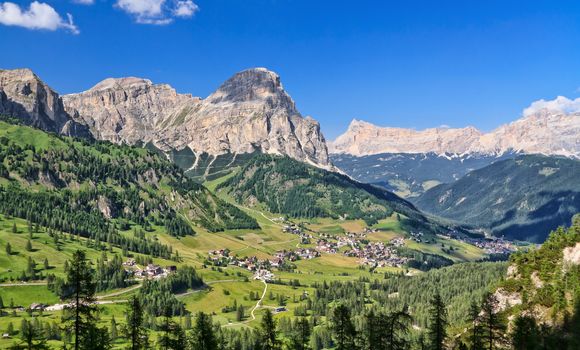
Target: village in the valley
351 244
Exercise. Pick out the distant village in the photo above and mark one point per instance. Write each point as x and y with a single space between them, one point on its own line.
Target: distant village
351 244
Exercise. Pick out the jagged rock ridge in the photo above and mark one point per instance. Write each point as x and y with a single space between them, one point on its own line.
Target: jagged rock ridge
24 96
250 112
549 132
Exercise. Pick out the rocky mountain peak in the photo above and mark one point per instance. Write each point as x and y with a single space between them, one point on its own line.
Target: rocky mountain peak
249 112
254 85
121 83
25 96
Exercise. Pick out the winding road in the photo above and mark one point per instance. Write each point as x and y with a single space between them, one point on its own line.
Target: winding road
252 313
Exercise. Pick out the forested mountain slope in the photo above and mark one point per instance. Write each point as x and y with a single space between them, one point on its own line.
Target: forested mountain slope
411 174
88 188
298 190
521 198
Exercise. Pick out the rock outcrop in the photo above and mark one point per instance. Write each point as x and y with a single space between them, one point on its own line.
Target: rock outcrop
250 112
24 96
549 132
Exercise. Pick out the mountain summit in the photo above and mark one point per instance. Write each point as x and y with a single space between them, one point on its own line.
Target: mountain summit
544 131
24 96
250 112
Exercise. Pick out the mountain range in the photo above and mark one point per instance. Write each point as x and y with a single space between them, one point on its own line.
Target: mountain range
251 113
543 131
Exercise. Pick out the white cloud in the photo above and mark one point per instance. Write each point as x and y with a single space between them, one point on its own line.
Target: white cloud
560 104
185 9
158 12
38 16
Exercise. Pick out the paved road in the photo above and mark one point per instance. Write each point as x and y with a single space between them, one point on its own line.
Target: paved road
23 284
120 292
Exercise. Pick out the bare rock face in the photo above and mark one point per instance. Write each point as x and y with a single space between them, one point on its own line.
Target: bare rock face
250 112
127 110
545 131
364 138
24 96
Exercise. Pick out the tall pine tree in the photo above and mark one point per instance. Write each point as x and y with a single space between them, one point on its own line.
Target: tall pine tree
344 331
202 336
268 335
437 323
136 332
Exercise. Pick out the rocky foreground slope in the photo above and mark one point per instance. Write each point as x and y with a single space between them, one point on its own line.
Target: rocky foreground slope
250 112
544 131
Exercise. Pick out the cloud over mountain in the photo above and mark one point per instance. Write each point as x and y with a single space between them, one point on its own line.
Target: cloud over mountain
559 104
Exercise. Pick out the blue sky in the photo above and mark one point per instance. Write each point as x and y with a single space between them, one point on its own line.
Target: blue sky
410 64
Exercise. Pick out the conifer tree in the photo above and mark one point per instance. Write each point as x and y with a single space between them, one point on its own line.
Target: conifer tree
492 325
475 336
31 336
81 312
268 334
301 334
8 249
202 336
172 336
136 332
113 330
437 323
525 333
344 331
397 328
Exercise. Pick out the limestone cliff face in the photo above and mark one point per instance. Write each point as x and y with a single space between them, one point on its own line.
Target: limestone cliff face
127 110
24 96
364 138
250 112
545 131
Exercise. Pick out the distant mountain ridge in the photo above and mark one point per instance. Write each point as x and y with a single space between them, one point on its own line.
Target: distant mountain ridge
541 131
410 174
520 198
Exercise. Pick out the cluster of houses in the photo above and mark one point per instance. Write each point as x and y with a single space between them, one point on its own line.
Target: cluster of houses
331 244
294 229
491 245
149 271
495 246
222 257
377 254
264 275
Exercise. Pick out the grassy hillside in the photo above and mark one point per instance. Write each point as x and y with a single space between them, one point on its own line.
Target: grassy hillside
91 188
521 198
288 187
